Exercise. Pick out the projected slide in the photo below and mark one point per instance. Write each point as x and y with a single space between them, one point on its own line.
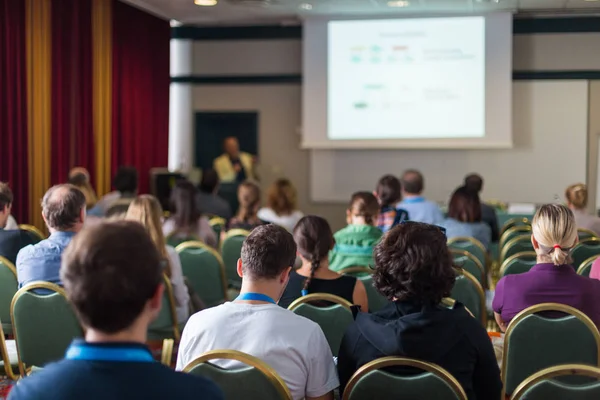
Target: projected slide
406 78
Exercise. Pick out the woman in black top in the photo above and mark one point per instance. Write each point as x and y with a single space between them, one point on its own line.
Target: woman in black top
314 239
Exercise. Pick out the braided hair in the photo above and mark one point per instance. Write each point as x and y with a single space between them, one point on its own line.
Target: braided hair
314 239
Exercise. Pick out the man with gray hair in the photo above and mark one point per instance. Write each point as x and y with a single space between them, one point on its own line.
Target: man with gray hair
63 210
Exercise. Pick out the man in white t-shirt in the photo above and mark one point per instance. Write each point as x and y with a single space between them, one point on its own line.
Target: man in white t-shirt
254 324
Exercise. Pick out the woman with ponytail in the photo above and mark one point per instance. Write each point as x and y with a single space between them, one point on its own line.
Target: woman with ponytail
552 279
314 239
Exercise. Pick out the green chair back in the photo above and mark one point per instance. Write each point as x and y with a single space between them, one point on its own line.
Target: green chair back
34 233
231 249
218 225
518 263
333 319
516 245
535 341
204 269
584 250
166 326
469 292
586 267
376 300
255 381
544 385
43 325
512 233
586 234
433 382
8 288
174 241
469 263
472 246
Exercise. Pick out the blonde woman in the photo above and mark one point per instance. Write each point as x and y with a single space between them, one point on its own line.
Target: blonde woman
577 199
281 205
146 210
552 279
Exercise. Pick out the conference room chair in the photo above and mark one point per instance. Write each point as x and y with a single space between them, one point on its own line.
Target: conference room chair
166 326
218 225
512 222
10 359
585 267
43 325
34 232
331 313
231 248
8 287
584 250
512 233
469 263
536 340
204 269
473 246
516 245
256 381
518 263
431 382
174 240
586 234
545 384
469 292
365 274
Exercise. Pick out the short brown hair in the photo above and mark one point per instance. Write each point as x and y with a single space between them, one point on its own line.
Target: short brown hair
413 181
412 262
110 270
6 195
474 182
62 205
577 195
282 197
465 205
364 204
389 190
267 251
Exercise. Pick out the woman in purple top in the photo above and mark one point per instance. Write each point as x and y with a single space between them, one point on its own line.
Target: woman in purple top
552 279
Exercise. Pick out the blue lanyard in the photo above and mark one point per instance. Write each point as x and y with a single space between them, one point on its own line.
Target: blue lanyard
255 297
413 200
89 353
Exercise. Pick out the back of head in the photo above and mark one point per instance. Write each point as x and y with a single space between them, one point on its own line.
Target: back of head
413 182
412 262
110 270
183 204
555 231
474 182
210 181
249 199
364 204
126 180
577 195
314 239
267 252
6 196
282 197
465 205
389 190
62 206
81 181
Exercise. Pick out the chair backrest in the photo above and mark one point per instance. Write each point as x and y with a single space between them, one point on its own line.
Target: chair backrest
231 248
518 263
471 245
175 240
376 300
430 382
535 341
586 267
584 250
34 232
514 222
469 292
43 325
543 385
8 288
218 225
333 319
357 271
469 263
257 381
205 271
586 233
512 233
165 326
516 245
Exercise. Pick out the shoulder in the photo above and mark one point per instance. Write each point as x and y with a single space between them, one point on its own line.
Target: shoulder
27 252
38 385
266 213
222 158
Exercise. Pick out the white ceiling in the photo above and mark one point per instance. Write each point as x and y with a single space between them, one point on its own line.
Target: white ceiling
246 12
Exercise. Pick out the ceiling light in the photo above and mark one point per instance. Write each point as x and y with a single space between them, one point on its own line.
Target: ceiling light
306 6
398 3
206 3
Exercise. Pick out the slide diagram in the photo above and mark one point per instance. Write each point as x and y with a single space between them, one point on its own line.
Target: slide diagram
377 54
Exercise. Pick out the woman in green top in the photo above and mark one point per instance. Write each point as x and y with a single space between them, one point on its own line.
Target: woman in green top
354 244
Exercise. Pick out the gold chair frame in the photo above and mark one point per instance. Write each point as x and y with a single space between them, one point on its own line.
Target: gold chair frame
249 360
356 270
309 298
10 265
386 362
584 264
175 233
465 253
525 229
217 221
520 238
540 308
34 230
171 297
553 372
514 257
475 242
587 232
232 233
512 222
167 352
481 293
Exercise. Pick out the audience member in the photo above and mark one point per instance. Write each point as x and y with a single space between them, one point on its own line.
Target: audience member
186 220
234 165
281 205
113 277
577 199
293 346
419 209
389 193
146 210
413 269
81 181
11 241
474 183
552 279
63 210
249 199
354 244
116 203
314 239
11 224
209 201
464 217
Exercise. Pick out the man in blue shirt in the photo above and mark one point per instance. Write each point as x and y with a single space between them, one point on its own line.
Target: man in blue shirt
63 209
112 274
419 209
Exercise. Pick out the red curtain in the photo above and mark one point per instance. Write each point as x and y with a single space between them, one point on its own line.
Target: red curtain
13 105
72 138
140 109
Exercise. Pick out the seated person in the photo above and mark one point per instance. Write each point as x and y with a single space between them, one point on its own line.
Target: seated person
294 346
80 178
209 202
11 224
419 209
314 239
113 266
186 220
577 199
354 244
11 241
389 193
552 279
281 205
474 182
114 204
413 269
464 217
249 200
63 210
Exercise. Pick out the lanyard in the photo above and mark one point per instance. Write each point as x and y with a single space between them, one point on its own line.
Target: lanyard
255 297
413 200
92 353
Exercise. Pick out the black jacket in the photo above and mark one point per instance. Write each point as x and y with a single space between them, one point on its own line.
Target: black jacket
450 338
12 241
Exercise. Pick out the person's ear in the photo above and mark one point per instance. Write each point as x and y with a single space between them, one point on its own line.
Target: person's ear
82 214
156 299
348 217
240 270
285 275
535 243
